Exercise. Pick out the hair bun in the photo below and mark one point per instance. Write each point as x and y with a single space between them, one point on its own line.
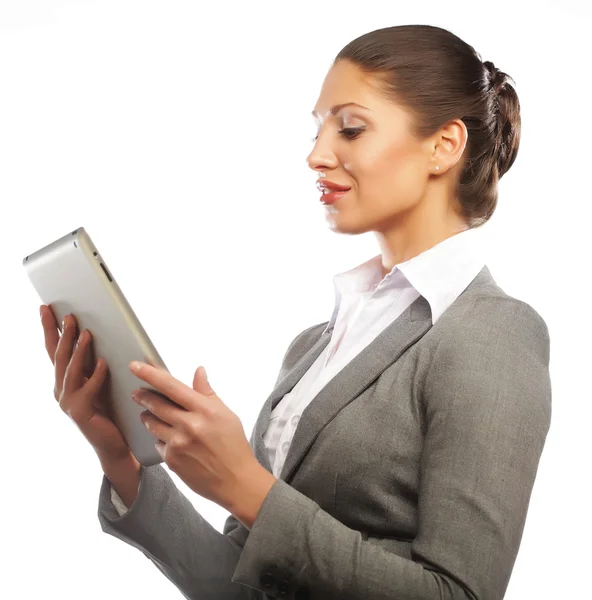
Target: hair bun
506 116
497 78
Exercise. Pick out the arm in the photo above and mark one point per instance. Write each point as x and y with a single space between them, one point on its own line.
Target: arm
166 528
124 476
487 406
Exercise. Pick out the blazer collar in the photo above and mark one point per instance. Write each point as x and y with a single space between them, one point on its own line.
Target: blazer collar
348 383
439 274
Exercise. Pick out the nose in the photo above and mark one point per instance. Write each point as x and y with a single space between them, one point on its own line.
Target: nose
321 159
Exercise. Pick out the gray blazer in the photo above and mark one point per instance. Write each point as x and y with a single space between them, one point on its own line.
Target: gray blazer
408 478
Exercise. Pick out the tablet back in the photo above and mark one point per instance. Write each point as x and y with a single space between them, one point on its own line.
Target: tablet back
71 277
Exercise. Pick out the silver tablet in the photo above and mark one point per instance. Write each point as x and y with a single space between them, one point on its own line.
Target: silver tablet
71 277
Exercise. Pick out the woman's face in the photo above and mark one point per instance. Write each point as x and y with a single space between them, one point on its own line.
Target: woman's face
385 166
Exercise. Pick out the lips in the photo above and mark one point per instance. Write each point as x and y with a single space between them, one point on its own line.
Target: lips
330 185
332 197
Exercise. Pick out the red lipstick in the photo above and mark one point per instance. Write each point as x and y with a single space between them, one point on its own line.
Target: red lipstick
332 197
336 191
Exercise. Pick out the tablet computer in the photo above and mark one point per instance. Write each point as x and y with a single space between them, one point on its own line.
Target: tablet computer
71 277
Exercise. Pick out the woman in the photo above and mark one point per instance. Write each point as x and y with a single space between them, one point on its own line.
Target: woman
402 439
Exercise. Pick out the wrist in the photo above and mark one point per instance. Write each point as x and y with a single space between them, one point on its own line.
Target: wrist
111 460
251 493
124 474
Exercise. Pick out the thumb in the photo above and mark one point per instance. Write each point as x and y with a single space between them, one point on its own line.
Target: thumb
201 383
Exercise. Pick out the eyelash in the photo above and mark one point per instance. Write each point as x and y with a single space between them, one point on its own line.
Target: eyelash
349 133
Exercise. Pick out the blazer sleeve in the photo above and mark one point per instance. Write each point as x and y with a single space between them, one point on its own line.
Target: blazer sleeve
487 408
185 547
166 528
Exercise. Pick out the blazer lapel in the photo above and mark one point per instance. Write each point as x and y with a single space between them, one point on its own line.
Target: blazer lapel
357 375
282 388
348 383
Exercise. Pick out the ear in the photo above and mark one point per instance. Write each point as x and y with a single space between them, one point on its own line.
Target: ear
449 145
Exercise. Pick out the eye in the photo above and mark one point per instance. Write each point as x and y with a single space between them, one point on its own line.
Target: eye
349 132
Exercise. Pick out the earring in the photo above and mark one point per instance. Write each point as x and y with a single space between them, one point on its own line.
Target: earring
437 167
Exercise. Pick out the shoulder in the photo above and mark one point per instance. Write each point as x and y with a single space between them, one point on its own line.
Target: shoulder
299 346
494 362
492 341
306 338
491 316
509 319
500 340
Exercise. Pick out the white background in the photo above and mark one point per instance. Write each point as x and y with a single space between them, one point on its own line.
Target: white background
176 133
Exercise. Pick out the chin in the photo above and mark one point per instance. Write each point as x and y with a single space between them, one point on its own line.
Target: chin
346 226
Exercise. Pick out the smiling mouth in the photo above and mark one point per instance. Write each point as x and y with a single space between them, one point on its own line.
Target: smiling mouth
332 197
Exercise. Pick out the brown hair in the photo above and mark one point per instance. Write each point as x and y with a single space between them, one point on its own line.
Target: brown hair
438 77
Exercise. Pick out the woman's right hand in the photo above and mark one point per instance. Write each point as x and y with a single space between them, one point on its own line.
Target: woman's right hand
82 396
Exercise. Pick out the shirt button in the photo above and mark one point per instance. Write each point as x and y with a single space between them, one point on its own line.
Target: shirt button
295 420
285 447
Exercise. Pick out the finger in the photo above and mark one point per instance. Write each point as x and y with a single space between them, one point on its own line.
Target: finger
63 352
165 383
96 380
160 406
90 361
75 369
161 430
82 399
101 403
50 331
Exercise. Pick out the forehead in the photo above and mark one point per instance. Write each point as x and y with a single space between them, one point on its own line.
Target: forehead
345 83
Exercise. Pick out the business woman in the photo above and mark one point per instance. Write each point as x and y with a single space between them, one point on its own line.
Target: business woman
396 455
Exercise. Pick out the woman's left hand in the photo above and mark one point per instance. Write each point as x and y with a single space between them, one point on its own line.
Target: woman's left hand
201 440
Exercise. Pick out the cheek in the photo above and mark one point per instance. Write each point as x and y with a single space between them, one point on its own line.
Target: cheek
389 179
392 167
399 160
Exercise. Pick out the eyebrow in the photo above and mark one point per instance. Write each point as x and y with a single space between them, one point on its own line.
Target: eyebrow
335 109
